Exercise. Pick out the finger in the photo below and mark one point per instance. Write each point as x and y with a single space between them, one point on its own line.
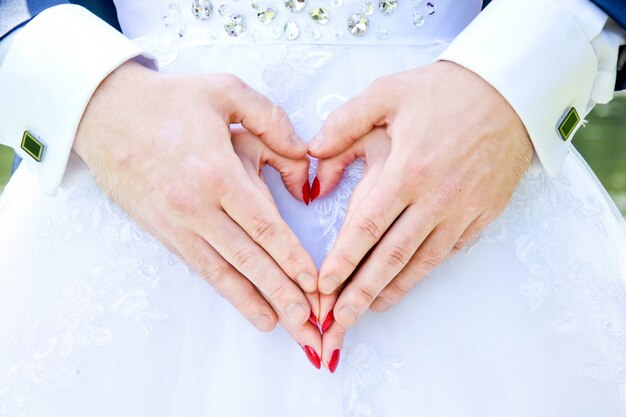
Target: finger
373 149
473 231
352 120
372 218
227 281
260 116
332 342
387 259
238 249
327 304
431 253
255 154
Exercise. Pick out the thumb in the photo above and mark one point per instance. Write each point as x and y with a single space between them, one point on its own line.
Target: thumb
262 117
294 173
351 121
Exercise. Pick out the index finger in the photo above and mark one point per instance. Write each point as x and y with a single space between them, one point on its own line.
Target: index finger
372 217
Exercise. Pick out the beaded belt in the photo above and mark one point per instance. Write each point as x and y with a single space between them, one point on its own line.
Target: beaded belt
196 22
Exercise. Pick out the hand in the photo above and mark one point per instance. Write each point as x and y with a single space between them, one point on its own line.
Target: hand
160 147
458 150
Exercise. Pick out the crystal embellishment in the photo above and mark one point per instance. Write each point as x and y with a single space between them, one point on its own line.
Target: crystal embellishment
235 25
291 29
320 15
388 6
430 8
367 8
382 33
267 16
201 9
295 6
418 19
358 24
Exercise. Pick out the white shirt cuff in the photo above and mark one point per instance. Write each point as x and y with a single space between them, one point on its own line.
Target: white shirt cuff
47 77
545 57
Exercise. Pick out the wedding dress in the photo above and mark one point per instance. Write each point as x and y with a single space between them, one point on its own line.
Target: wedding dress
98 319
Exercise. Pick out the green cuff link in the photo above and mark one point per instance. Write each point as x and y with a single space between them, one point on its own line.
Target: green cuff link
568 124
33 146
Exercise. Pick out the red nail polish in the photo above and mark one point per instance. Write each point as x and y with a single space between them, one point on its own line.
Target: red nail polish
334 360
328 321
306 192
312 355
315 189
313 319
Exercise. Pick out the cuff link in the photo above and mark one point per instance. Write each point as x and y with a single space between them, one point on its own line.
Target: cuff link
568 124
33 146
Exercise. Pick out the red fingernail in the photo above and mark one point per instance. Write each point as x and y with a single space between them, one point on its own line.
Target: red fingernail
334 360
313 319
315 189
328 321
306 192
312 355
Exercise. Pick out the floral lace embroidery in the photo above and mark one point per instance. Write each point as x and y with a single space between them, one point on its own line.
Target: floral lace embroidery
45 341
362 370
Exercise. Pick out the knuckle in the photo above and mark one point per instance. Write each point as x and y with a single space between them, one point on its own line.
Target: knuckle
431 258
367 294
180 202
348 259
244 257
232 82
213 274
369 229
263 230
396 256
399 288
277 292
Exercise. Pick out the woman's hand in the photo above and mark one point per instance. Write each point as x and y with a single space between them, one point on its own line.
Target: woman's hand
161 148
254 155
457 152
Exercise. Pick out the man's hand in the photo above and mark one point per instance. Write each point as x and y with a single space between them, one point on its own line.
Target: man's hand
458 150
161 147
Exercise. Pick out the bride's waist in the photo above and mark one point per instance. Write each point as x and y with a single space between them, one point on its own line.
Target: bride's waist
373 22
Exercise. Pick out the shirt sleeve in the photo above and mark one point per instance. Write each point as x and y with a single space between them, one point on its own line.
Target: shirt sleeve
47 77
552 60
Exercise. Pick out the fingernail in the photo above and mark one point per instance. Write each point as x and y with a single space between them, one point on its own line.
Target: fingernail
317 142
380 305
328 321
334 360
315 189
297 142
312 355
295 313
307 282
329 284
306 192
262 322
348 315
313 319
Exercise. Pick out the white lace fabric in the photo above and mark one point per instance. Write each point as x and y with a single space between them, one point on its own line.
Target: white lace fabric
97 318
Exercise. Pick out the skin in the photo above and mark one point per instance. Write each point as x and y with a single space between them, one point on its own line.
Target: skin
453 155
161 148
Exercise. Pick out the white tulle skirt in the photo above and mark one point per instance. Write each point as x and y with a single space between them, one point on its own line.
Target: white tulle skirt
98 319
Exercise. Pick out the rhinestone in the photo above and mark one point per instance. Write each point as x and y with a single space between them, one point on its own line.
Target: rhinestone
201 9
367 8
257 4
267 16
358 24
382 33
167 20
295 6
320 15
388 6
418 19
225 11
182 29
430 8
292 31
235 25
336 3
337 33
312 33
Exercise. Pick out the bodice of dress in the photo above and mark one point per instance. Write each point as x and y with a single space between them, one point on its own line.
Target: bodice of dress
197 22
